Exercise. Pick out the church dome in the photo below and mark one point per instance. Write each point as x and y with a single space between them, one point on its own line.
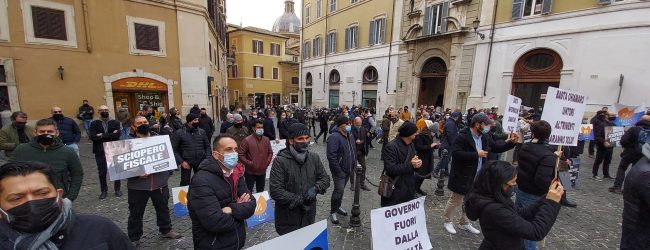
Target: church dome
289 21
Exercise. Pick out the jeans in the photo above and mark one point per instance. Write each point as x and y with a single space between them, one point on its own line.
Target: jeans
339 186
604 156
443 165
125 133
255 180
186 174
524 200
75 147
138 200
455 201
102 168
87 127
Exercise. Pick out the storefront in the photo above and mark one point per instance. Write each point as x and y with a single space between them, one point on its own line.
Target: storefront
133 93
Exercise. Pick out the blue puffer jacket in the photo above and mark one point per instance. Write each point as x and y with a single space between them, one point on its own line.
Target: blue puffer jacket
68 130
341 153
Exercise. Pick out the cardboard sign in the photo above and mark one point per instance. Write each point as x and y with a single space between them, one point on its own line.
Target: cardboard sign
569 179
403 226
564 109
276 147
179 198
137 157
511 114
627 115
613 135
310 237
264 211
587 132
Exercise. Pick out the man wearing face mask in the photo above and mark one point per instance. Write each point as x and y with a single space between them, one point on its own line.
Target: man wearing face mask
342 158
103 130
256 154
469 153
206 123
86 113
297 176
400 163
70 133
226 124
218 200
604 150
191 146
46 147
34 214
16 133
238 131
149 186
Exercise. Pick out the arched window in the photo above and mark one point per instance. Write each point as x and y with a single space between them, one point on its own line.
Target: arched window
539 65
308 80
335 77
434 67
370 75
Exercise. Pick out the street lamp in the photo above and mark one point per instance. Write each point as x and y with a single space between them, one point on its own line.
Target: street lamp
355 220
61 70
475 25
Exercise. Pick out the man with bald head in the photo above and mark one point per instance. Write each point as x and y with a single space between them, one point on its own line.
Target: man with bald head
103 130
361 135
68 129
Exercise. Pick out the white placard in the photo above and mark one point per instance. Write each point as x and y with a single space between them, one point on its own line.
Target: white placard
403 226
564 109
137 157
276 147
313 236
511 114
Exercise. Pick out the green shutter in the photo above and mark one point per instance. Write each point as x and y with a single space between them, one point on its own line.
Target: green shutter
517 9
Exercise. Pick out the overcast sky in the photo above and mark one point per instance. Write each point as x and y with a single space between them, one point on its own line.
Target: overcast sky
257 13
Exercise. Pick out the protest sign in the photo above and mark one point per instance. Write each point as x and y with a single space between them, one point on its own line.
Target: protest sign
313 236
564 109
511 114
403 226
586 132
179 198
137 157
276 147
627 115
263 211
613 135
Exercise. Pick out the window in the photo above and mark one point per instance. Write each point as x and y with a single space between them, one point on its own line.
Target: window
370 75
234 70
4 21
258 47
435 19
352 37
3 74
294 80
377 31
307 10
335 77
146 36
308 79
411 6
318 8
295 59
317 46
217 59
306 49
258 72
330 43
525 8
275 49
45 22
354 1
332 5
276 73
532 7
210 50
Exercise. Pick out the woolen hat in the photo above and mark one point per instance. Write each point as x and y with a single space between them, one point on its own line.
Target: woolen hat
407 129
342 120
191 116
238 117
298 129
481 118
456 114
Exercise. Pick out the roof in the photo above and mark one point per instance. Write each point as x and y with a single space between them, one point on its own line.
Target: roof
233 28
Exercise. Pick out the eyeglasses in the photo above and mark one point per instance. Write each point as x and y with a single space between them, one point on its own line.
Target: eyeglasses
57 112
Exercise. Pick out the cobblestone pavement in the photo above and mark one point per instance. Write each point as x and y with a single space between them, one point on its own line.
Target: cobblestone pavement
594 224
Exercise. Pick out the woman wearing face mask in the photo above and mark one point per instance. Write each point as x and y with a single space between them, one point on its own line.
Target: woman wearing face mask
504 225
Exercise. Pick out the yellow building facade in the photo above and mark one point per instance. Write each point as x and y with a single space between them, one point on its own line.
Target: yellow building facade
255 78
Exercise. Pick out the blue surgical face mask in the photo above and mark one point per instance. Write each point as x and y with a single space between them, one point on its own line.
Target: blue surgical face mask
230 160
259 131
231 120
486 129
348 128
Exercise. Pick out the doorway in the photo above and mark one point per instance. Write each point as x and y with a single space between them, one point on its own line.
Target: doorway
134 92
534 73
433 77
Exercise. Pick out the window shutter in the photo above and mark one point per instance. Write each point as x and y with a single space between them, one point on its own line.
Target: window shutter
261 47
347 38
356 37
146 37
443 18
517 9
49 23
604 2
327 43
382 31
426 29
371 36
254 46
546 6
334 37
261 72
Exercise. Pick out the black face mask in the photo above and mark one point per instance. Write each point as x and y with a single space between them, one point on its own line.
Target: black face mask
204 115
194 125
104 114
143 129
57 116
301 147
45 139
20 125
34 216
238 125
86 105
510 192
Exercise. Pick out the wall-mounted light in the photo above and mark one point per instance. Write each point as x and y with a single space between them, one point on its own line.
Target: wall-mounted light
61 69
475 25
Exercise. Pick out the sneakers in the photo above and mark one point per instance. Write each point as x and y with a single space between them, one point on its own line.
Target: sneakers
333 219
450 227
597 178
470 229
342 212
172 235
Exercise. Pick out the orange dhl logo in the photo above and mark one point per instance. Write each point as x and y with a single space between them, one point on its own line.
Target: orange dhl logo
148 85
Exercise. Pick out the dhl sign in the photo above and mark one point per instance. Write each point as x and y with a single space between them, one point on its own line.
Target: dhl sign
138 83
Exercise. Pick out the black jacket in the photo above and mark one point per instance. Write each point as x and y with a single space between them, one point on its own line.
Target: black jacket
361 134
97 127
599 131
424 151
636 207
86 112
209 192
505 227
175 123
68 130
323 118
630 141
288 182
283 128
465 160
397 164
269 129
536 168
190 145
84 232
341 154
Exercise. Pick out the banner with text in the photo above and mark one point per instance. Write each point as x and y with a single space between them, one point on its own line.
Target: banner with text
403 226
179 198
263 211
137 157
627 115
276 147
564 109
613 135
310 237
511 114
587 132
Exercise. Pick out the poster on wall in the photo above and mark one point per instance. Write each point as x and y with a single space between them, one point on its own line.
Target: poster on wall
563 109
137 157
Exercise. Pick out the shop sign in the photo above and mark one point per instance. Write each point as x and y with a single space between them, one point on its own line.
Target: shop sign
138 83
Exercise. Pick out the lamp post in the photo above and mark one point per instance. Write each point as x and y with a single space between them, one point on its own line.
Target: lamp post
355 220
61 70
475 25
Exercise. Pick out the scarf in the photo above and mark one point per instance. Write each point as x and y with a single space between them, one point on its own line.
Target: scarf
41 241
300 157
